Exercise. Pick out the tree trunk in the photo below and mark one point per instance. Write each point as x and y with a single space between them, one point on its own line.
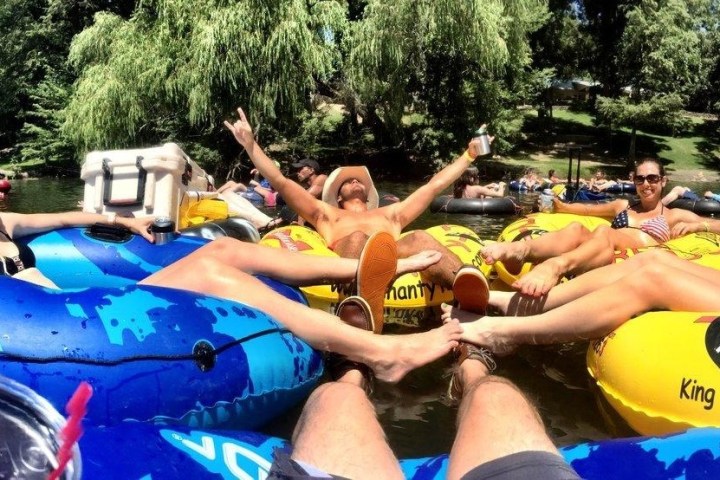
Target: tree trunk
631 153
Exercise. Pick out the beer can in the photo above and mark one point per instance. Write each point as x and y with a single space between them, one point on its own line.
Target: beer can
484 141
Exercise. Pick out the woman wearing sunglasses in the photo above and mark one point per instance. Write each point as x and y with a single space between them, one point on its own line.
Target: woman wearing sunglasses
575 249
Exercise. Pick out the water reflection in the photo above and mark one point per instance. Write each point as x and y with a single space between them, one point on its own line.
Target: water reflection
46 195
416 417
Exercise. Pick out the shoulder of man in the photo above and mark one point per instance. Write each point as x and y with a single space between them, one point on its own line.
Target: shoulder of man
319 179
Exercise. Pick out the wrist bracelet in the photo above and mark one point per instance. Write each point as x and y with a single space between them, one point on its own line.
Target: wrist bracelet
466 155
111 218
707 227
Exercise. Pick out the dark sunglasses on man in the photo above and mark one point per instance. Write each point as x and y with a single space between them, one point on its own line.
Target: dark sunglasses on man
651 179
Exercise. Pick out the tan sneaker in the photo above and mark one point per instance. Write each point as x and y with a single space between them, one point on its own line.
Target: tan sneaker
471 290
463 352
354 311
376 271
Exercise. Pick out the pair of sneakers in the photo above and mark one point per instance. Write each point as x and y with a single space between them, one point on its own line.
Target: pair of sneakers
472 293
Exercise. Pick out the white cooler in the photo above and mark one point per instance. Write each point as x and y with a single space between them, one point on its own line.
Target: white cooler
148 181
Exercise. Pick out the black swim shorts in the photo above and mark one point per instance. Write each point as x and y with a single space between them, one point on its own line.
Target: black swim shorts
285 468
524 466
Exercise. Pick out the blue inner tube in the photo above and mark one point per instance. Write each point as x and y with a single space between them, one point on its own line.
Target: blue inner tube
151 353
168 453
475 206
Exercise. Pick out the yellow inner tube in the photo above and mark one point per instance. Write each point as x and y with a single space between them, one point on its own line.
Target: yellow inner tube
661 371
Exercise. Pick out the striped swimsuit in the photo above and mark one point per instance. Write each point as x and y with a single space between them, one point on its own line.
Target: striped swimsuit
657 227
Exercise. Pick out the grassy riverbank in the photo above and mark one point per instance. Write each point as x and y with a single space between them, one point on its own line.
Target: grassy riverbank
688 156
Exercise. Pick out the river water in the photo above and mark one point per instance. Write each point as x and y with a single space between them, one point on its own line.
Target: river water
416 418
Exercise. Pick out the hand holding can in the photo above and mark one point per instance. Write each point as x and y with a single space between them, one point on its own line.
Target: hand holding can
546 201
482 141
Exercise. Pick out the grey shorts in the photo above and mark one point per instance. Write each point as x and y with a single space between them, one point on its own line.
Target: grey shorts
285 468
524 466
518 466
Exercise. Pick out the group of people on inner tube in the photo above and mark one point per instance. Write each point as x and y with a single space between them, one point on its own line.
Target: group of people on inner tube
499 432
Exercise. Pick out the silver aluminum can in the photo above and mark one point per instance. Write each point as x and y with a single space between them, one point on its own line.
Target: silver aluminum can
30 435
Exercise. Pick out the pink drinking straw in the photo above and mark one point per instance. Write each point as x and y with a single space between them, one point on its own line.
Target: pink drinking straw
76 409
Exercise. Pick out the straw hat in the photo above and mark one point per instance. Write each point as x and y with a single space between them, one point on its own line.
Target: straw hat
340 175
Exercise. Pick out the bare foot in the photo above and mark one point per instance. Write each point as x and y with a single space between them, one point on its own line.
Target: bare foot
450 313
541 279
501 300
512 254
419 261
479 330
400 354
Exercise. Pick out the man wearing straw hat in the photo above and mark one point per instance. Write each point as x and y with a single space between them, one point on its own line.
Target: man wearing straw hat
348 213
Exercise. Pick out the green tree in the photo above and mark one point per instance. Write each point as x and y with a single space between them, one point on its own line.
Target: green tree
34 40
605 21
660 61
457 62
177 68
707 97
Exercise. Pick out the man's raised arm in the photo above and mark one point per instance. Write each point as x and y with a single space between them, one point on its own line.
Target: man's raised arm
418 201
294 195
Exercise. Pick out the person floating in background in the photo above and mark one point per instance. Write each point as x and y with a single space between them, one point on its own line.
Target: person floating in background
599 182
679 192
530 180
552 179
310 176
257 190
712 196
468 186
626 181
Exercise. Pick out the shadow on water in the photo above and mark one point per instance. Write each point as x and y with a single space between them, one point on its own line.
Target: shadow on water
414 413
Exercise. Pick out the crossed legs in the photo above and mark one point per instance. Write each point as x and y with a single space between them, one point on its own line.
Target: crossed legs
220 270
595 303
571 250
441 272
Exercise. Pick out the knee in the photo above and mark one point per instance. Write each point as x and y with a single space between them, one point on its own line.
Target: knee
335 394
602 234
492 394
418 240
650 281
653 274
655 256
206 269
577 231
219 247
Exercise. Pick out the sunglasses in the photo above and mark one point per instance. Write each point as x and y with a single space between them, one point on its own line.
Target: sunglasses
652 178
